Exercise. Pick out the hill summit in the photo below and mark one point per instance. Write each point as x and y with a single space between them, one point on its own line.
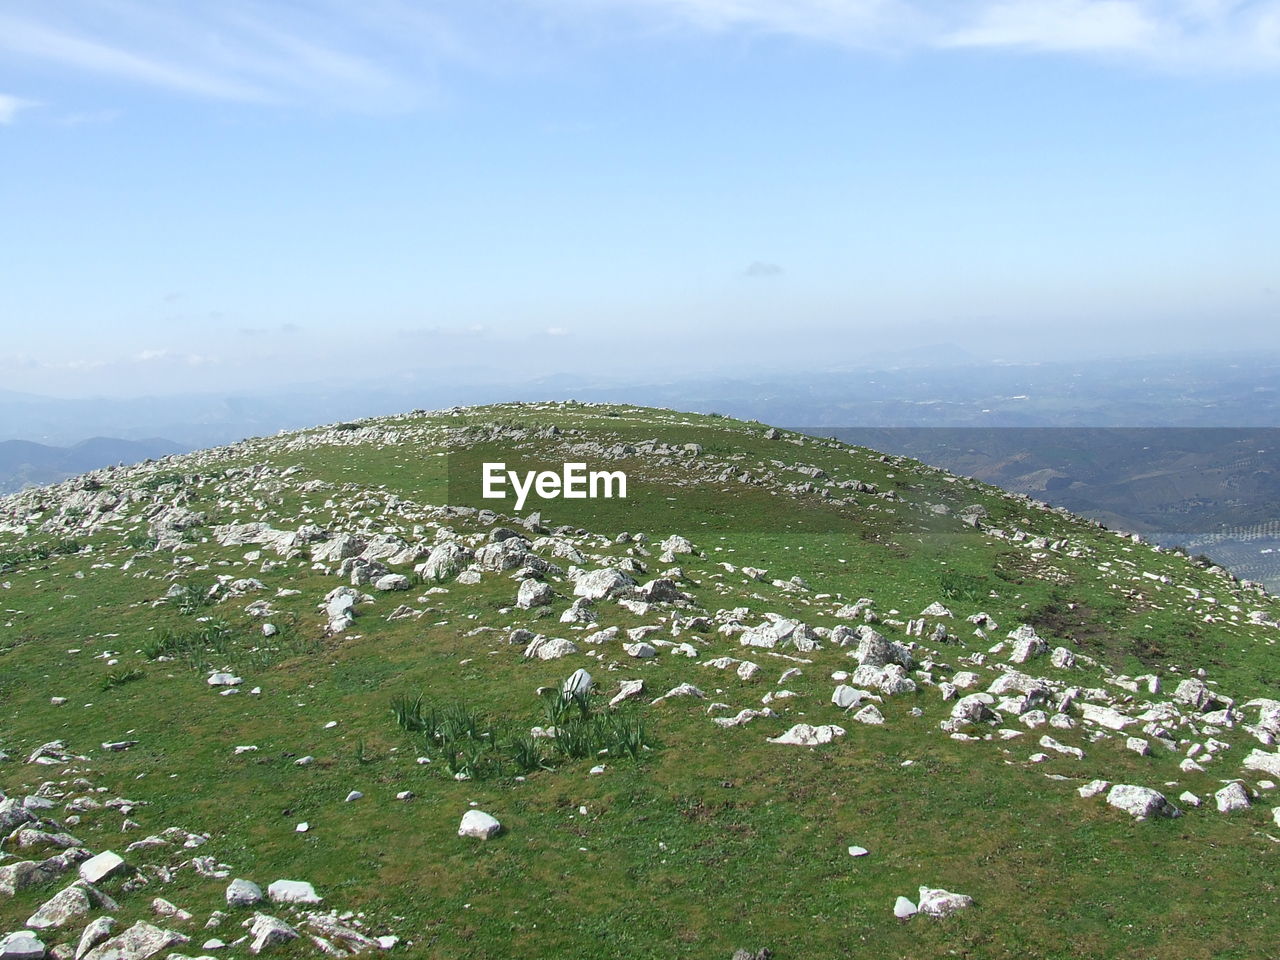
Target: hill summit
317 695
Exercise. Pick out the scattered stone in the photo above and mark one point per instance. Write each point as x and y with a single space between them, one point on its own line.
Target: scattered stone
941 903
807 735
268 931
243 893
21 945
1093 788
94 934
1141 801
105 865
293 891
904 909
140 942
480 825
1232 797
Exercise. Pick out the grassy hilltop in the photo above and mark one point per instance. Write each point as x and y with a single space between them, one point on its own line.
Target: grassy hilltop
817 565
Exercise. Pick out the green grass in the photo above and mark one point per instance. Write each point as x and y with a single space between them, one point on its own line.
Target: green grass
696 840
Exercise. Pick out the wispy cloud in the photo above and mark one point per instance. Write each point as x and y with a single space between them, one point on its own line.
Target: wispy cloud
379 55
1191 33
10 107
315 52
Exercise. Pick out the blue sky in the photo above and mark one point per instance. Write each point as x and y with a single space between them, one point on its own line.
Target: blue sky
208 195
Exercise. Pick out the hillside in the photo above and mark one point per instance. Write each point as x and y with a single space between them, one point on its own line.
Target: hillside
24 463
768 702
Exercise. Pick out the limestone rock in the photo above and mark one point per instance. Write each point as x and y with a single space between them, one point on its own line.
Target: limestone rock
1141 801
140 942
104 865
476 823
21 945
942 903
268 931
293 891
243 893
807 735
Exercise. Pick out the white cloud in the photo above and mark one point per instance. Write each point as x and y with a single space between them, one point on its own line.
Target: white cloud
1061 25
379 55
314 52
9 107
1209 34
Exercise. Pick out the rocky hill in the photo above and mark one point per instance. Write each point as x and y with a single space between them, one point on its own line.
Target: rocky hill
306 696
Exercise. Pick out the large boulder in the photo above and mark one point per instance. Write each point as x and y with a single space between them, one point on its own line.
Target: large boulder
600 584
533 593
268 931
549 648
1141 801
63 907
444 561
478 824
807 735
1263 762
21 945
140 942
243 893
13 813
942 903
293 891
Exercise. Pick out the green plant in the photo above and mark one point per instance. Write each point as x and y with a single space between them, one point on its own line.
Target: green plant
525 753
119 678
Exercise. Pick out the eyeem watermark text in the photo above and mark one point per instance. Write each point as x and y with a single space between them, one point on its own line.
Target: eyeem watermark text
573 482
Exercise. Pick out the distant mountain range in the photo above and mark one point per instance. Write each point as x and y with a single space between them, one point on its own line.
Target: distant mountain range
23 463
1214 490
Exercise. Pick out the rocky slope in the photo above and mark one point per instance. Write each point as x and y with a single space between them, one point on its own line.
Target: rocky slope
300 695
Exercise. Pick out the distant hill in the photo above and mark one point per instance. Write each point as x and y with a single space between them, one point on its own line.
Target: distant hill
23 463
1213 490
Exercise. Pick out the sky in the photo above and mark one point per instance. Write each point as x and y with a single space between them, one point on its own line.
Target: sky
228 194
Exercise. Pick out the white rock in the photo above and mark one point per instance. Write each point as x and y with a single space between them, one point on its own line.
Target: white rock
1105 716
243 893
599 584
579 683
21 945
268 931
1093 788
94 934
293 891
99 868
533 593
858 851
1232 797
1139 746
904 908
1141 801
476 823
941 903
63 907
1263 762
870 715
807 735
142 940
628 690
